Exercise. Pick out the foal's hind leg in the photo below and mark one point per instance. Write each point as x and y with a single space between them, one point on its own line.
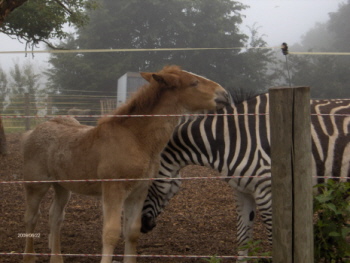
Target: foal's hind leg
55 220
33 195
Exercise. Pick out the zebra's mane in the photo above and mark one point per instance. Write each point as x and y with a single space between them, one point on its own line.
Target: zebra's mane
236 99
239 95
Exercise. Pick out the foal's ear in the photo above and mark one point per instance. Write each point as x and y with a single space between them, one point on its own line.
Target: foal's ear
167 79
147 76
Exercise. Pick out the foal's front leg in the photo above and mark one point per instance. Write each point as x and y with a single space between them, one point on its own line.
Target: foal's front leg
33 196
112 203
132 219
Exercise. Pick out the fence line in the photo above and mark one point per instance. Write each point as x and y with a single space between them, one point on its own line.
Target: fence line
154 115
70 51
159 179
137 256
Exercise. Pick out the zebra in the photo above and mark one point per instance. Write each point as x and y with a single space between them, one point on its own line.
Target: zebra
237 145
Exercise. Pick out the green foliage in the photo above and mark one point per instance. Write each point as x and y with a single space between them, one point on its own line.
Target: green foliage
158 24
340 26
254 249
254 76
332 229
213 259
3 88
38 20
327 75
22 79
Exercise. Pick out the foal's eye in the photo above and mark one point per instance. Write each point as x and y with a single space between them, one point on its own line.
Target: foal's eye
194 83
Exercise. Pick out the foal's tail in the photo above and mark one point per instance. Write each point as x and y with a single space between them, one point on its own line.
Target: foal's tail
24 139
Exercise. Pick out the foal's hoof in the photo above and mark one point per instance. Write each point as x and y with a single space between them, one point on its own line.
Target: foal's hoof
56 259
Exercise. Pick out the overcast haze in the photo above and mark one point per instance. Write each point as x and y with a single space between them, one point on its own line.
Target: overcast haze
279 20
287 20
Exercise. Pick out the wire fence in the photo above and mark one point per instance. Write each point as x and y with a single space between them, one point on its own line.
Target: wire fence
19 116
66 51
18 122
47 106
159 179
137 256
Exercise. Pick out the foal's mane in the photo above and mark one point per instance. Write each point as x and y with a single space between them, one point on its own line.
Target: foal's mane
142 101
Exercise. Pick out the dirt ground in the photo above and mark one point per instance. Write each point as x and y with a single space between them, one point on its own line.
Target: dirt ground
200 220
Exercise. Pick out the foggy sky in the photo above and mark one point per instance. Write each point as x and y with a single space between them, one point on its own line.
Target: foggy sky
279 21
287 20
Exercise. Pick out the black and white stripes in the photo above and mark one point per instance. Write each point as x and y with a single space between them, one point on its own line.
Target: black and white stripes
238 145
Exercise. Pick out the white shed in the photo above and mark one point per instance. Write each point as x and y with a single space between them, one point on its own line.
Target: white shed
128 84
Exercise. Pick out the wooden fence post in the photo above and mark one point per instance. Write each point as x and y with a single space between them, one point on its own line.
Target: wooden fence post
27 110
3 144
292 220
49 105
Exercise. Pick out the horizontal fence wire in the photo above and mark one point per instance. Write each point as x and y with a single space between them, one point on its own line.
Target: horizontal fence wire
158 179
136 256
152 115
70 51
143 179
112 50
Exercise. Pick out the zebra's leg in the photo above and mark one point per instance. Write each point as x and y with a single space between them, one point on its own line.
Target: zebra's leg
245 220
263 202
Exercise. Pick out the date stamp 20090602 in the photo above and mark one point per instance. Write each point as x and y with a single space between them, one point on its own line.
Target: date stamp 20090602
33 235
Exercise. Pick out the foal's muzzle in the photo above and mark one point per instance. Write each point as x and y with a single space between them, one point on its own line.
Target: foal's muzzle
223 99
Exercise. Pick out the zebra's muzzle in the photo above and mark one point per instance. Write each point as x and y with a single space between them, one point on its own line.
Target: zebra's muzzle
148 223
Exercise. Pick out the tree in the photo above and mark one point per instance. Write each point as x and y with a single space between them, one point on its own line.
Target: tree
23 80
255 76
155 24
3 88
39 21
340 27
6 7
3 92
327 75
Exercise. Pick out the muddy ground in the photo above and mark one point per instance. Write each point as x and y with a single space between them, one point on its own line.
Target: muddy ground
200 220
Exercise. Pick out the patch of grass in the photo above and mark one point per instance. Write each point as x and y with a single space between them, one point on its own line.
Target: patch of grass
18 125
254 249
213 259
